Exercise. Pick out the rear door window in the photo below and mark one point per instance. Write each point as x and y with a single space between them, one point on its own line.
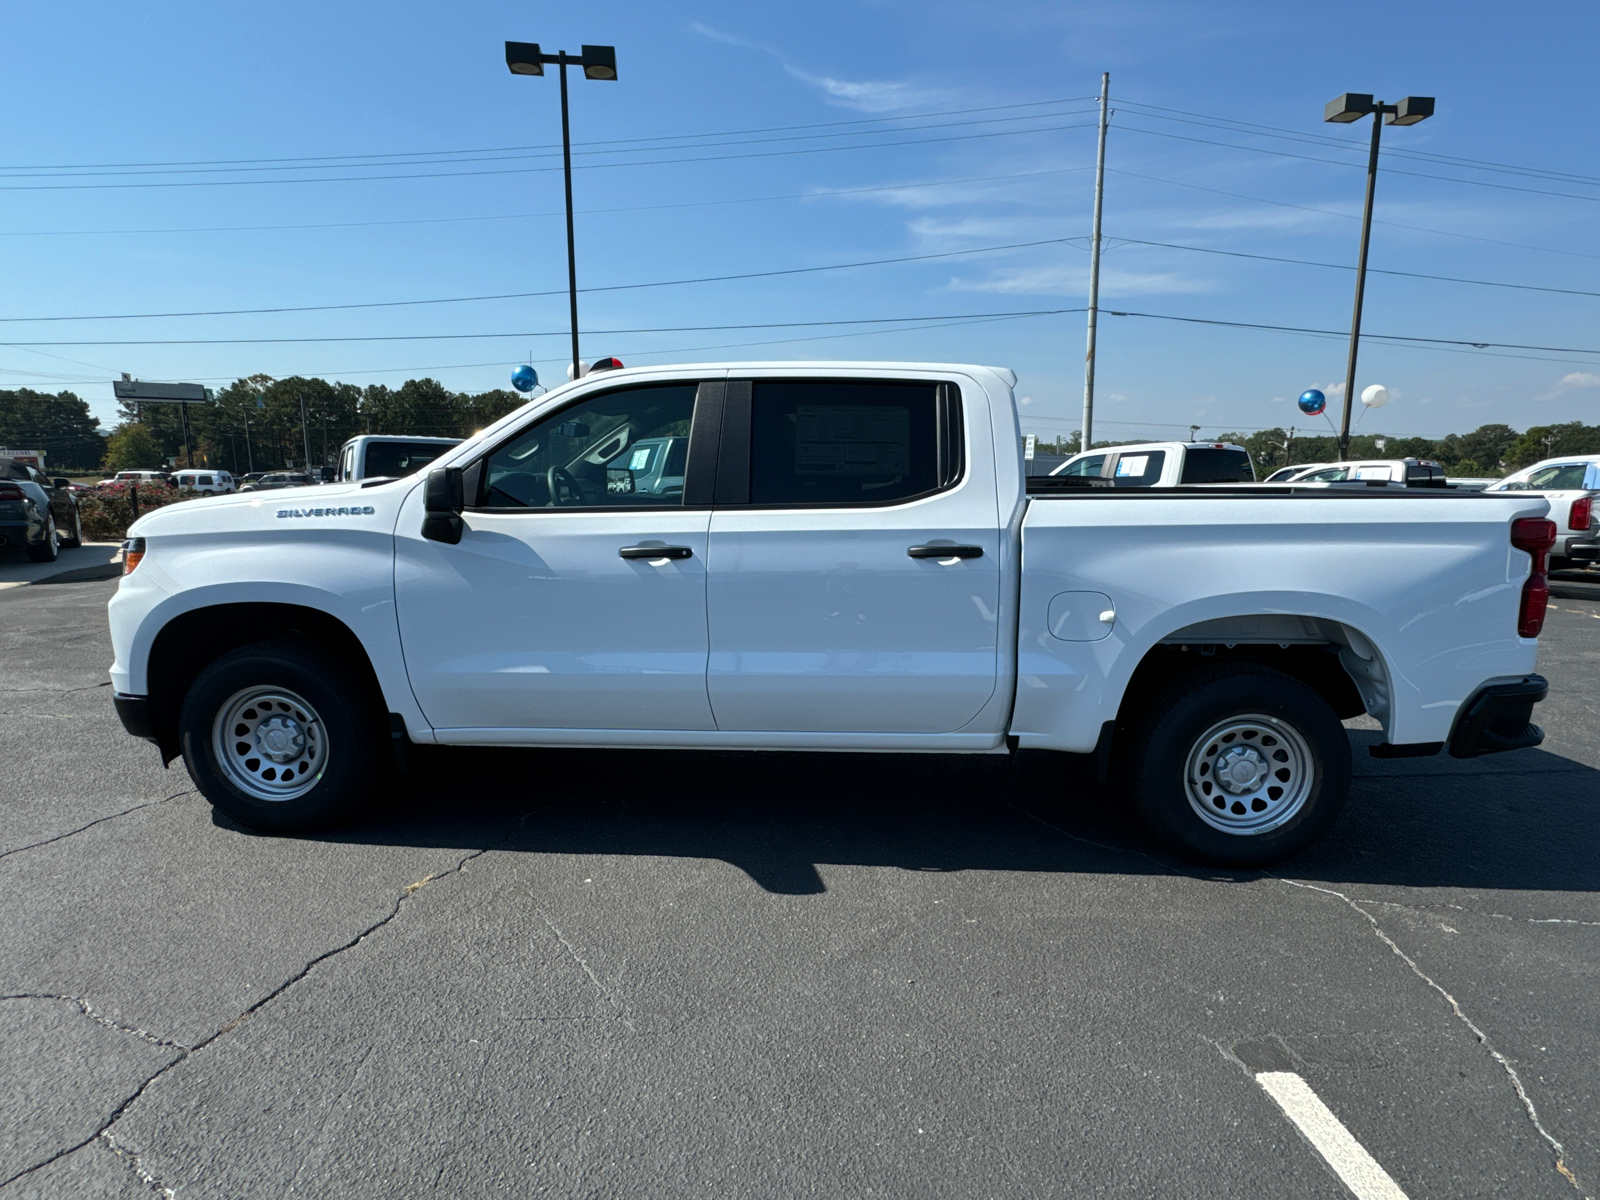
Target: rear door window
401 458
843 442
1209 465
1139 470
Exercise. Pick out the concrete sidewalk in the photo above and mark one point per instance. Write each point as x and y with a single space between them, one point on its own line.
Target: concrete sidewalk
92 560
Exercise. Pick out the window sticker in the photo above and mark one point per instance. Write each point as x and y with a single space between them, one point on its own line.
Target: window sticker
1135 464
639 459
852 439
1372 472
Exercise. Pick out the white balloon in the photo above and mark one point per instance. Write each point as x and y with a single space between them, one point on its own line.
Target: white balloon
1374 395
583 368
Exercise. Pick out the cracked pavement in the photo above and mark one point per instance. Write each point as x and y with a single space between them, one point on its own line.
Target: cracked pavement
644 973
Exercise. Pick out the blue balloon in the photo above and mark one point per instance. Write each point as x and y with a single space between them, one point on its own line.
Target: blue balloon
1312 402
524 379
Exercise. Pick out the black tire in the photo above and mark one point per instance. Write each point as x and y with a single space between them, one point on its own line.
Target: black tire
76 540
49 549
354 757
1263 715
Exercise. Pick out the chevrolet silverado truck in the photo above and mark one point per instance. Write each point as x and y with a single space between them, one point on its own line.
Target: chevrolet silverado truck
855 561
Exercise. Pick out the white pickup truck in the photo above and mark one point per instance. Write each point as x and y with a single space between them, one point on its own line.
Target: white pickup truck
853 561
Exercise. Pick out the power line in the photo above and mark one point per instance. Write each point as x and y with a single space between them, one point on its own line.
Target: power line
1505 187
582 212
1390 337
501 157
1330 212
954 112
1306 262
618 287
561 333
196 183
1233 125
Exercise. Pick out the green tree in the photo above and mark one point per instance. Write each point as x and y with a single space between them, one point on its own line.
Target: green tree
132 448
59 425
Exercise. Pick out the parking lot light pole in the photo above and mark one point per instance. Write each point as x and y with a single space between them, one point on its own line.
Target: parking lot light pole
1342 110
598 62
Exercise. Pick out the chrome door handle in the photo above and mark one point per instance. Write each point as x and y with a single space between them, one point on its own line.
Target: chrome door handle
945 551
656 552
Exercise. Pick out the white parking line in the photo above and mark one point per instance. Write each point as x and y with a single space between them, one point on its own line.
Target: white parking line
1348 1157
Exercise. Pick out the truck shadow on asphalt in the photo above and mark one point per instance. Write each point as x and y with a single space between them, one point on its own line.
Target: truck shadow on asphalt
1523 820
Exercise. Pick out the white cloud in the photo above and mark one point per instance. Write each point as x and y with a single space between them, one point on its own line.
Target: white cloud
1026 400
1572 381
1073 280
867 95
870 95
728 39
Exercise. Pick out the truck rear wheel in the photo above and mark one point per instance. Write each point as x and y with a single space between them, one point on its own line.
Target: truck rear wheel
1239 766
280 738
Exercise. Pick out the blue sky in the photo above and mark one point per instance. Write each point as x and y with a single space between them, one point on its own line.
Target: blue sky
884 130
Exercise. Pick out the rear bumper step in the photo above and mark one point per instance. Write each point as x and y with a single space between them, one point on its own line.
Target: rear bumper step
1499 717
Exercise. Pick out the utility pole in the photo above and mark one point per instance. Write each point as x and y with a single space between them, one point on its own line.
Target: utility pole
1094 264
304 432
249 454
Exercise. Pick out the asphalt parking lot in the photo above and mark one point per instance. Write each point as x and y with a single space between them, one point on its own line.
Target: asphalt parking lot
651 974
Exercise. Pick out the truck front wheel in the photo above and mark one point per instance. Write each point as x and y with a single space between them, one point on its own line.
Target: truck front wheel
1239 765
280 737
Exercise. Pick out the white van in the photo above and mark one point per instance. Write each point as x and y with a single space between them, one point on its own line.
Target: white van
376 455
214 483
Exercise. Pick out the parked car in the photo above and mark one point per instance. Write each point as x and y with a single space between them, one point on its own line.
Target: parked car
37 513
1282 474
274 480
215 483
373 455
855 561
1570 483
1163 464
1402 472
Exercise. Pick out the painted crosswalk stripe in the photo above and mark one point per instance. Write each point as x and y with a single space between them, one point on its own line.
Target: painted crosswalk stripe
1348 1157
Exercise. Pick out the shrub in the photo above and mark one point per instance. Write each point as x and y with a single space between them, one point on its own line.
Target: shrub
108 510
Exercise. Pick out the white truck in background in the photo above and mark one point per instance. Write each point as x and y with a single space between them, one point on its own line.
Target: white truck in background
1163 464
853 560
387 456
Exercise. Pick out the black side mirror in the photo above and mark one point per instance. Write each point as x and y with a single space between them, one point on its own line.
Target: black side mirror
619 481
443 498
61 483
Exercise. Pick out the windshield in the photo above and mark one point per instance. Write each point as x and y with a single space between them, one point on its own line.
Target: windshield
1557 477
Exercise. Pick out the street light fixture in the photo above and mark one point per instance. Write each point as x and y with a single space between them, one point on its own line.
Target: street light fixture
598 62
1342 110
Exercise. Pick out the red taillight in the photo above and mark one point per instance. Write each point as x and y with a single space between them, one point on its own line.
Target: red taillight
1535 535
10 491
1578 517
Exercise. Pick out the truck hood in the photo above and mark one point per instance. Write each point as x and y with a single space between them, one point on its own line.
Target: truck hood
325 503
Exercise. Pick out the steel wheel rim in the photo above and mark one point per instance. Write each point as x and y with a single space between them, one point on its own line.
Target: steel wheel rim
270 743
1248 774
52 536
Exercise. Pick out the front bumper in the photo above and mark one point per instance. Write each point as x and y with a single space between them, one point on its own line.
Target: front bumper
1499 717
135 714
